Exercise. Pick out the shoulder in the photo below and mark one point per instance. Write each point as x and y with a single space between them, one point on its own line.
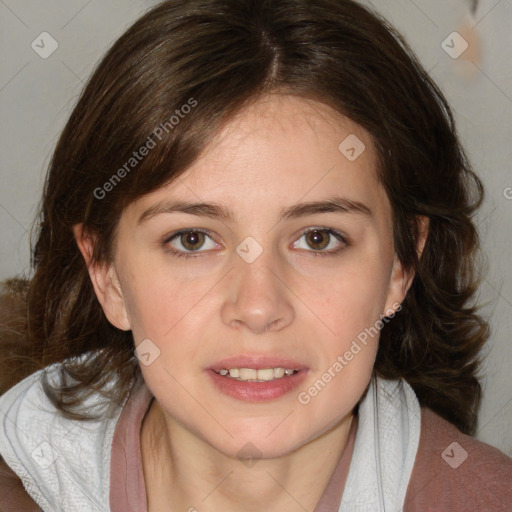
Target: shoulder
21 407
44 448
454 471
13 496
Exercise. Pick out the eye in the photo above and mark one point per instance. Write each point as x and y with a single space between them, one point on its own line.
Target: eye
320 239
188 241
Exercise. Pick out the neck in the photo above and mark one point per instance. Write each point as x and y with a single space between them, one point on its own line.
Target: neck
183 472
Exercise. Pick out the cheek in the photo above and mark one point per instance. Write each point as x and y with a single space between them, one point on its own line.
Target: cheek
148 300
353 298
159 303
351 309
337 387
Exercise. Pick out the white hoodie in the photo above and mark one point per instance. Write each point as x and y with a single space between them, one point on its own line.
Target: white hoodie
64 464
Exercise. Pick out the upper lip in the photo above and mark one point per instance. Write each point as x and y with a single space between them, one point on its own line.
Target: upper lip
257 362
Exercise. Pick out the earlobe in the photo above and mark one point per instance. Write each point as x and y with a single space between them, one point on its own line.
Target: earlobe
104 280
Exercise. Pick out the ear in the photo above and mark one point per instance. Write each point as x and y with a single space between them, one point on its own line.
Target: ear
401 280
104 280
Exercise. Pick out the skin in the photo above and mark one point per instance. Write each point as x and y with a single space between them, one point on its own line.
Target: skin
290 302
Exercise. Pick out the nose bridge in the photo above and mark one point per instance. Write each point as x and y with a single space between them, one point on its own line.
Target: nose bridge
257 298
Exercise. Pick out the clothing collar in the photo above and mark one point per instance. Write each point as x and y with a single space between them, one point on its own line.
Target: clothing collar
385 448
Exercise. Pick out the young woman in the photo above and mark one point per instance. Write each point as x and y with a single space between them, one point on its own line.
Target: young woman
254 279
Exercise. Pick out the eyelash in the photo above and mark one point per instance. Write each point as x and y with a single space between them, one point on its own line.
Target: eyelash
194 254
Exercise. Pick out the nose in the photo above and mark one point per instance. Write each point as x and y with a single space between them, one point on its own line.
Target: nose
257 297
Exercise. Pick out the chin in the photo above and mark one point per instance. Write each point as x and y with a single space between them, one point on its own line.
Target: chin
257 446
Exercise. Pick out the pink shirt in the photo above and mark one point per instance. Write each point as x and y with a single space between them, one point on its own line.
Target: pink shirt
127 490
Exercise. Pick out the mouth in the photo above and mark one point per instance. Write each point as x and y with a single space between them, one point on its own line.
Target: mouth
257 378
256 375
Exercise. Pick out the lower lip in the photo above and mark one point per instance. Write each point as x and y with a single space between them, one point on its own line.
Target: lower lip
257 391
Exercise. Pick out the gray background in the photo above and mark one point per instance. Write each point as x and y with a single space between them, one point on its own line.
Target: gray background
37 95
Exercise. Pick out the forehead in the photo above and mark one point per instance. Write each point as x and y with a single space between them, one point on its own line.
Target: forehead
284 126
280 150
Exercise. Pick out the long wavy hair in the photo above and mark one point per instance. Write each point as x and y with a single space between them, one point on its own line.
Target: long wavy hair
224 54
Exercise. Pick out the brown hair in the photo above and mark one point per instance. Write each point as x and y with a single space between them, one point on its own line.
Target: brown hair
224 54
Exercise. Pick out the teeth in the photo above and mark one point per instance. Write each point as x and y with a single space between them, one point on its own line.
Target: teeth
267 374
251 374
245 374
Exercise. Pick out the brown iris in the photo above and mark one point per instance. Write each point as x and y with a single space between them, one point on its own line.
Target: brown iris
317 239
192 240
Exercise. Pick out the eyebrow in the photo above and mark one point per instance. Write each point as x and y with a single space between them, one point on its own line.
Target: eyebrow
217 211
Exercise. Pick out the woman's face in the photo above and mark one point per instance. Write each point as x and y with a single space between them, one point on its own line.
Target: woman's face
285 260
